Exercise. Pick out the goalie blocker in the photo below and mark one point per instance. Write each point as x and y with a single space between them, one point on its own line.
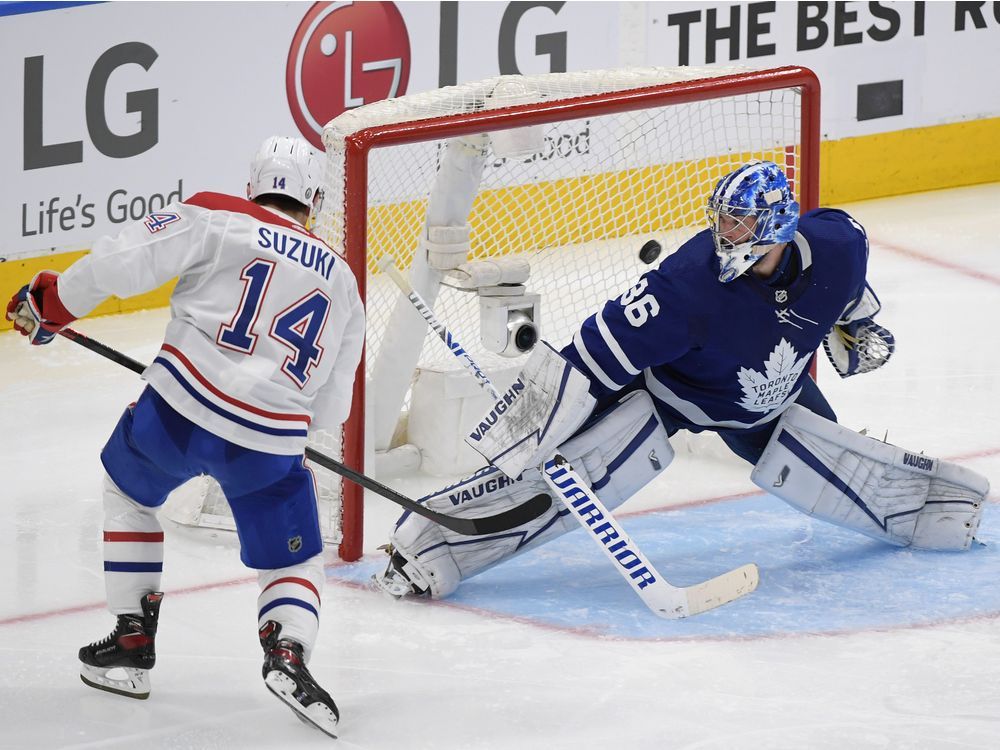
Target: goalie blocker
546 405
883 491
617 453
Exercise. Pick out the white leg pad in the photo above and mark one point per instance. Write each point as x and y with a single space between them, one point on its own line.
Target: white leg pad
886 492
617 455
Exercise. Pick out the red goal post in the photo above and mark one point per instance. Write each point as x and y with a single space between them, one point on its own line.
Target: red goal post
353 205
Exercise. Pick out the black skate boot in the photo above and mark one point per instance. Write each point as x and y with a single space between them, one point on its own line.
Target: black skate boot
130 647
286 676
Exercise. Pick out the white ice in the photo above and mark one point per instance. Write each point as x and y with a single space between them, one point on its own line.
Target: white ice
418 675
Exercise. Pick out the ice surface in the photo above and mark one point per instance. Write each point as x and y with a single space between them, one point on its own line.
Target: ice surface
846 644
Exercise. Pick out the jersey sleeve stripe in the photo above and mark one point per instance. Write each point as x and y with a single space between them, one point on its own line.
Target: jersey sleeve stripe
189 366
591 363
213 407
614 347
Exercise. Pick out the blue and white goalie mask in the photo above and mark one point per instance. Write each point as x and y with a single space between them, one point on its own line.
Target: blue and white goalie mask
749 211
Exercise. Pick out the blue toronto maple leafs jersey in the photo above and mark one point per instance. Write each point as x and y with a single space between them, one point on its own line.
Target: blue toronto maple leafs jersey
717 355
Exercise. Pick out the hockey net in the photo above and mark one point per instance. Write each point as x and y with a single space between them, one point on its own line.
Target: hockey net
571 172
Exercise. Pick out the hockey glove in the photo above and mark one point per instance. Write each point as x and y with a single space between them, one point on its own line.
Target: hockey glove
36 310
859 346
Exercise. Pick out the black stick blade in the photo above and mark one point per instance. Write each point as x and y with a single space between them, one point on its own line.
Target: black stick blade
509 519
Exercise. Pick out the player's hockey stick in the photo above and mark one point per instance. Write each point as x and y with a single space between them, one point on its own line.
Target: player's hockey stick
505 521
663 598
388 266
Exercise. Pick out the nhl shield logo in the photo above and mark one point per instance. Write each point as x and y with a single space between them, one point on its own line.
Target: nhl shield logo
295 544
781 296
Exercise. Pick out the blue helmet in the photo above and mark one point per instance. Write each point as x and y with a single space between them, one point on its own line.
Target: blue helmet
756 203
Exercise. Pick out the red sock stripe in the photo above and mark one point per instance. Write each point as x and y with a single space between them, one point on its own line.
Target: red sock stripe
299 581
133 536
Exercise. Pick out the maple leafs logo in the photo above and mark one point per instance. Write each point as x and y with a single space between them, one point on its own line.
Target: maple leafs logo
762 392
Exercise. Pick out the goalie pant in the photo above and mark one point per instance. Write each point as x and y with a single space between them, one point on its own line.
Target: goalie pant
617 453
880 490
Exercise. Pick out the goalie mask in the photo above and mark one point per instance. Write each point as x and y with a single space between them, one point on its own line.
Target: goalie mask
286 166
750 210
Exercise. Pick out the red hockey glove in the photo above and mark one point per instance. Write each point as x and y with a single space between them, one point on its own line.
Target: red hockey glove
37 311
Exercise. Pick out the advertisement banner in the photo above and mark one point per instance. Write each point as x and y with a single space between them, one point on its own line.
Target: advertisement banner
114 109
884 66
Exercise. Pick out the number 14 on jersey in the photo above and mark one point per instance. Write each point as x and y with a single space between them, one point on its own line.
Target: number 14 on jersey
298 326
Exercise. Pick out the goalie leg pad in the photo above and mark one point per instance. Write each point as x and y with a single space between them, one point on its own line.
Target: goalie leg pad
883 491
617 454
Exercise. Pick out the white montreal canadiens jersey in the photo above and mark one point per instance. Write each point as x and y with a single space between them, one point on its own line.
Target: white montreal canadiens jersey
266 325
725 356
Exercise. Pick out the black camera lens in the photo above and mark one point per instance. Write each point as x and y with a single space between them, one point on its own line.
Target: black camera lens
525 337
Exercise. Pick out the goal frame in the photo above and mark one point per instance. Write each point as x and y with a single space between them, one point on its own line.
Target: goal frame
358 145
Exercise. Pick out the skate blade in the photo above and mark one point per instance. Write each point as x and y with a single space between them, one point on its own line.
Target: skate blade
316 714
135 685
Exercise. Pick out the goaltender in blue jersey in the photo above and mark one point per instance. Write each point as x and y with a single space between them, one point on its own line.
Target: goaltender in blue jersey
719 337
729 357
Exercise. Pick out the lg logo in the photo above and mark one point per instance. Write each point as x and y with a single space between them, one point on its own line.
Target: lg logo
344 55
145 103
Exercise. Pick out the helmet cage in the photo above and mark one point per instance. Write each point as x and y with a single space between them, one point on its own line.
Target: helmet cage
758 190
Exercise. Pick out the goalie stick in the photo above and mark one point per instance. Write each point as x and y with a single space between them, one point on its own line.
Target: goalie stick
504 521
662 597
388 266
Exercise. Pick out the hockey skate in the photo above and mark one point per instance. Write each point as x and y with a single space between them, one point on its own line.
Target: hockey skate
130 647
286 675
399 579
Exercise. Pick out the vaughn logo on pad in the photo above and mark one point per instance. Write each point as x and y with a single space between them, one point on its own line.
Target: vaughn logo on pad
508 397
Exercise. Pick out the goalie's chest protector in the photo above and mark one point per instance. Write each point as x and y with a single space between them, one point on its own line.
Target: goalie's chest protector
750 343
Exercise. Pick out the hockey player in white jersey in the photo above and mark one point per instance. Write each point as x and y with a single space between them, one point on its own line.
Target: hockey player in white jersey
718 337
265 336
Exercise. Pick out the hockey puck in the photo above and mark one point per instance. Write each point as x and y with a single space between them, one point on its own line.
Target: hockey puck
650 251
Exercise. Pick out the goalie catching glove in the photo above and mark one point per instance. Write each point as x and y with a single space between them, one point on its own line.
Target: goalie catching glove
859 346
36 310
857 343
